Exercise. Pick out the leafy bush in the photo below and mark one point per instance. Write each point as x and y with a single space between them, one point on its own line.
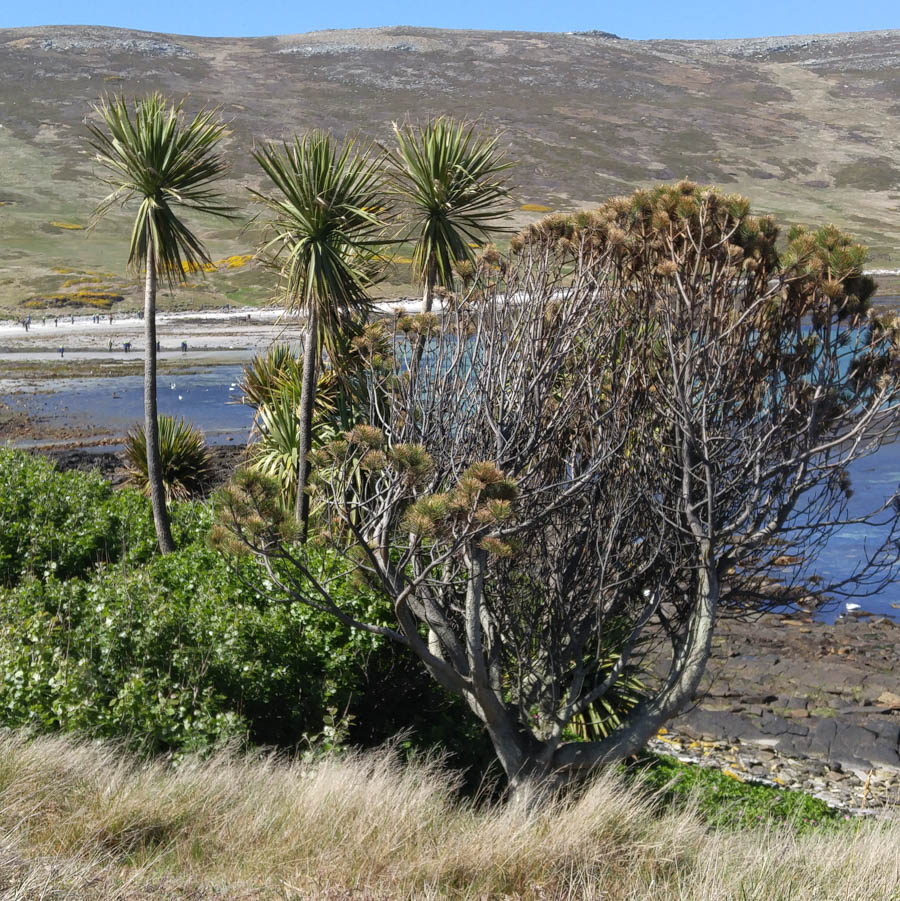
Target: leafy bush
100 635
178 655
184 456
65 523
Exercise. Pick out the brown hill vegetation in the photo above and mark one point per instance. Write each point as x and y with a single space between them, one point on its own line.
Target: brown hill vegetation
806 126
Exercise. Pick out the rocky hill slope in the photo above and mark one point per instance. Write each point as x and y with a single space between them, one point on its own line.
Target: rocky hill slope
808 127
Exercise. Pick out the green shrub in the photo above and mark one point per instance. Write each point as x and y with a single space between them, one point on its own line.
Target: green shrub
180 654
63 523
101 635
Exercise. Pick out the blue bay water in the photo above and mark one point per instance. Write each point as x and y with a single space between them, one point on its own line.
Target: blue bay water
874 480
111 405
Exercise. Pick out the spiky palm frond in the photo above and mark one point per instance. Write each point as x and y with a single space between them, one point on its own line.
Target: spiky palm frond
266 374
276 453
328 218
166 162
186 460
626 692
607 714
272 384
448 176
278 373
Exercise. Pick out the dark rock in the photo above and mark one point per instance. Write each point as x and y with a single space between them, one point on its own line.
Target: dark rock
770 724
887 731
821 737
883 754
853 743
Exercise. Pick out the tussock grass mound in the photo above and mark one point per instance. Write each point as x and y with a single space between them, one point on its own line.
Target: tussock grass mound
86 821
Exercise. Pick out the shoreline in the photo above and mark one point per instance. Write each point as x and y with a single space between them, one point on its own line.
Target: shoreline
185 337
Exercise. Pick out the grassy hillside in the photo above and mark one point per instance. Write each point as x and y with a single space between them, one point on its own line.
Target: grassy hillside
806 126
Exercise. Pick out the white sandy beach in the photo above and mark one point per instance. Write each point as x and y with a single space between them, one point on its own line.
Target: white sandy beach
232 334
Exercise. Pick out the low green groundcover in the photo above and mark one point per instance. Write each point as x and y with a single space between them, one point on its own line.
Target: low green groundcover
727 803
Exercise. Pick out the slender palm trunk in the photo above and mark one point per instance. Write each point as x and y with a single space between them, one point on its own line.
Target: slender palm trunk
428 294
151 424
418 348
307 402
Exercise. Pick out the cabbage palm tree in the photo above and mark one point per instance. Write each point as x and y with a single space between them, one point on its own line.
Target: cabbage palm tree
327 221
449 177
156 157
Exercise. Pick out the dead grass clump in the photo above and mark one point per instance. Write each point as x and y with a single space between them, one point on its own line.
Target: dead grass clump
87 821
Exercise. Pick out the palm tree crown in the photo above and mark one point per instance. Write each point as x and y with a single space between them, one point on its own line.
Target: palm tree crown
328 220
448 175
165 162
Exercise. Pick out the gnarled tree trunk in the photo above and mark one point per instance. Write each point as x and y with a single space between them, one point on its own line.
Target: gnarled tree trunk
685 672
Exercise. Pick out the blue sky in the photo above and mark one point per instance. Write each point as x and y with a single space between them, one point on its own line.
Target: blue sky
653 19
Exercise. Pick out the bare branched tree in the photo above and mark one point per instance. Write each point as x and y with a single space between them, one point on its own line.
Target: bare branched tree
613 435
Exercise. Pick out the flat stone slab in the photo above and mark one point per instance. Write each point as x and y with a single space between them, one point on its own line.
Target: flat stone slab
816 695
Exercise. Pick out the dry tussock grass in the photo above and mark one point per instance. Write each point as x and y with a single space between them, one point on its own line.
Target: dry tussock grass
82 821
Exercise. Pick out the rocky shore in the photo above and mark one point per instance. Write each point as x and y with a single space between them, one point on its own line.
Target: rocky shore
802 704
